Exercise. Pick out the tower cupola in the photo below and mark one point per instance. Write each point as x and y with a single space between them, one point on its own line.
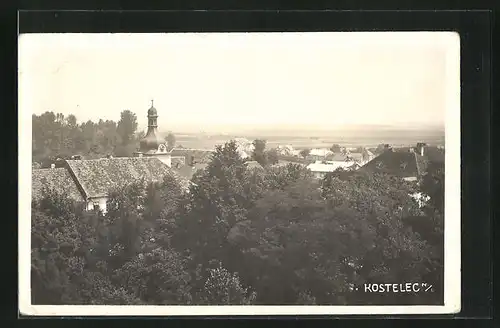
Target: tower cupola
151 141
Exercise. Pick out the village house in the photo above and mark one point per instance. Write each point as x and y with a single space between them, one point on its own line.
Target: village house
90 181
409 164
189 156
287 150
318 154
251 165
321 168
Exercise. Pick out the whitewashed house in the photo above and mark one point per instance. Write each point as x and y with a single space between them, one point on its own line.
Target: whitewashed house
321 168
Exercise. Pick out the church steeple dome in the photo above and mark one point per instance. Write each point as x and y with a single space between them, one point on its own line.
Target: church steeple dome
151 141
152 110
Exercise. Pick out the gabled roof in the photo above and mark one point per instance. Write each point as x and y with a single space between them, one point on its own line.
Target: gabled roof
367 152
97 177
338 157
187 171
431 153
200 155
320 152
56 179
402 164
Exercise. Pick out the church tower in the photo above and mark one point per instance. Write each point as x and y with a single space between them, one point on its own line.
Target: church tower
151 141
151 145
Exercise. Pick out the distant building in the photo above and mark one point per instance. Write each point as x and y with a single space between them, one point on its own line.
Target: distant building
253 165
286 150
189 156
409 164
244 148
367 156
321 168
319 153
189 161
188 171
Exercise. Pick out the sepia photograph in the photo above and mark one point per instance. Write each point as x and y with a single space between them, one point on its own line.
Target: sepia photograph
239 173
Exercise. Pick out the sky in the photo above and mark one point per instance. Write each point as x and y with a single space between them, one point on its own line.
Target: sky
229 81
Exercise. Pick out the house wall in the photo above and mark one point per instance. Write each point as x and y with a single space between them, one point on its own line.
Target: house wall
101 202
165 158
177 160
319 175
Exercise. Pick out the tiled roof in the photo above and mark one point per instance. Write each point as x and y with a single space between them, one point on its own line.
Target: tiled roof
56 179
200 155
434 154
187 171
320 152
402 164
97 177
337 157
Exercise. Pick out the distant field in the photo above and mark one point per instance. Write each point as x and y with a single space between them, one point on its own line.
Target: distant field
209 142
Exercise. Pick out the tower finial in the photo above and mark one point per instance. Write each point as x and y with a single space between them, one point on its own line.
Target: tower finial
151 102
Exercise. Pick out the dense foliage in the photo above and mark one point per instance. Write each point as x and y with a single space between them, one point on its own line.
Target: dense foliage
56 136
242 236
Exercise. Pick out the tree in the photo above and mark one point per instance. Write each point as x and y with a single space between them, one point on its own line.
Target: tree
432 184
224 288
259 153
305 152
80 258
271 237
127 126
156 277
170 139
71 120
272 156
335 148
310 243
217 200
64 267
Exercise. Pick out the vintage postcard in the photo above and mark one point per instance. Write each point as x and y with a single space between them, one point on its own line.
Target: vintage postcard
239 173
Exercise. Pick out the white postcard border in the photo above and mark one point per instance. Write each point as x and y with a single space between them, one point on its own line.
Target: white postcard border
452 257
